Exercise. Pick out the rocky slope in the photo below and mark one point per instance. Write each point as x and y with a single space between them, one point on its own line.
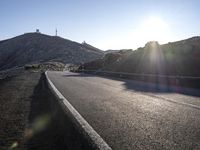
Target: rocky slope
174 58
36 47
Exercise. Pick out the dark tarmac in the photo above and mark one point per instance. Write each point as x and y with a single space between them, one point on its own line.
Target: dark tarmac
134 115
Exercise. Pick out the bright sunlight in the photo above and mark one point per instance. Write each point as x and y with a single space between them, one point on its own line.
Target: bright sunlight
155 29
151 29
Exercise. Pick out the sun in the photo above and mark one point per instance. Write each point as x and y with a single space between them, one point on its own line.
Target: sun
153 29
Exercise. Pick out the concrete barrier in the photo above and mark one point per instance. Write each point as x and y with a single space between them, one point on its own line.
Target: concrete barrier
91 138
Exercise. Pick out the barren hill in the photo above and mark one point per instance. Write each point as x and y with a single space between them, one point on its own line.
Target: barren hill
36 47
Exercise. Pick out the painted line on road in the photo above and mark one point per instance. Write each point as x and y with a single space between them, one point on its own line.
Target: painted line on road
93 135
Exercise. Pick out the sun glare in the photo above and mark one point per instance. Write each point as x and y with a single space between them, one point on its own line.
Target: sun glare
155 29
152 29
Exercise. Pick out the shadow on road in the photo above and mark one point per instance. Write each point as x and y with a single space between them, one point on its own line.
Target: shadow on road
160 88
145 86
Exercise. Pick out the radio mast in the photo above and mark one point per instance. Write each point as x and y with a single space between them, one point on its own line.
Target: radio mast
56 32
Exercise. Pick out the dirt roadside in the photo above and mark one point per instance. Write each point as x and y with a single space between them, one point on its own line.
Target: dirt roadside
32 119
26 120
15 98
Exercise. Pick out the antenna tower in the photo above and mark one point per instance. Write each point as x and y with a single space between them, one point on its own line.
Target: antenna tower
56 32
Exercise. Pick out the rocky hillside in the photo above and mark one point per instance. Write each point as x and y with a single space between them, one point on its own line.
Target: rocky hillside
174 58
36 48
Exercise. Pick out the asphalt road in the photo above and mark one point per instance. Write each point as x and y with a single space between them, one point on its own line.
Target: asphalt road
133 115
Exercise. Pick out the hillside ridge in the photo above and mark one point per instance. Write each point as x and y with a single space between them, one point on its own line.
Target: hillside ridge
174 58
37 47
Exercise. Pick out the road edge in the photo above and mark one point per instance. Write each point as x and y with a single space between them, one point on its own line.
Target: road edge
90 134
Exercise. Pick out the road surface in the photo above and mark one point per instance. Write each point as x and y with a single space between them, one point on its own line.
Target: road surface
132 115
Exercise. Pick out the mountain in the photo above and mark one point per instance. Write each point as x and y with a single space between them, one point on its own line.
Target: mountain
174 58
115 51
36 47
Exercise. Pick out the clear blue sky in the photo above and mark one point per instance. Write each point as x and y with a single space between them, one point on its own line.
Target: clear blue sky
106 24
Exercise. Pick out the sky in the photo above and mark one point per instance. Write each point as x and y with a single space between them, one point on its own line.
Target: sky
105 24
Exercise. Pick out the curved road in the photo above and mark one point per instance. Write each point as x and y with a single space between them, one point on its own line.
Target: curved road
133 115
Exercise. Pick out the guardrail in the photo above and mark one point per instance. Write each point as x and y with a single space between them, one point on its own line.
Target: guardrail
91 136
177 80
